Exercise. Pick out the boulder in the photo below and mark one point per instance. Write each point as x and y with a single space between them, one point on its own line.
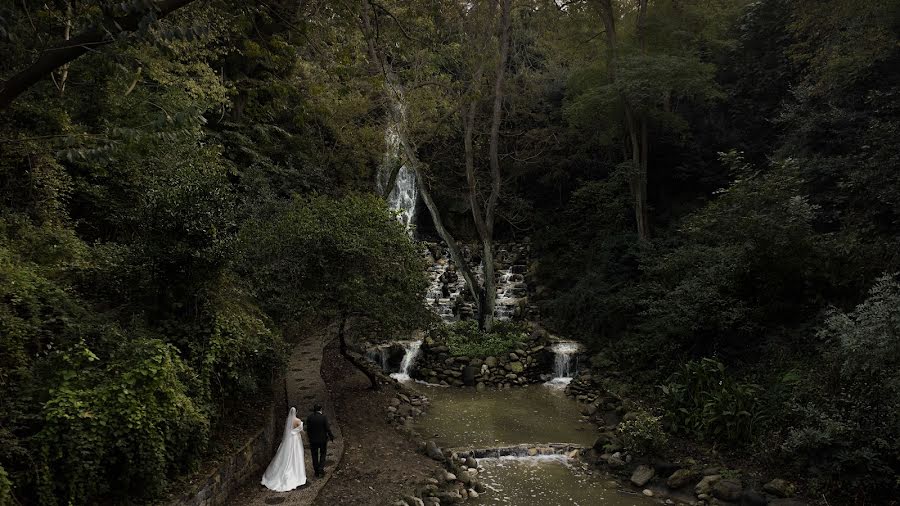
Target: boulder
490 361
615 461
727 490
471 462
480 386
449 497
642 475
706 484
516 367
681 478
412 500
468 376
665 469
786 502
753 498
448 476
588 409
780 488
434 451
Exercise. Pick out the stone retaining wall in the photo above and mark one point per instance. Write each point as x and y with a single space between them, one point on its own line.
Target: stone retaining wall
247 463
529 362
522 450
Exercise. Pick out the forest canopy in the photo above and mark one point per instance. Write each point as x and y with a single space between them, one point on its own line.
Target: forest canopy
182 180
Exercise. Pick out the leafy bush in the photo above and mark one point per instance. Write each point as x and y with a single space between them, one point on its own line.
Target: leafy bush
464 338
848 420
642 433
121 423
5 488
700 399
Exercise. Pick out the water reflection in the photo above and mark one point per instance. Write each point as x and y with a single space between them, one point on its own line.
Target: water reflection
470 419
548 481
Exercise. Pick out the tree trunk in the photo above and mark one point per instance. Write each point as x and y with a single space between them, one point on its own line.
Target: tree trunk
67 34
65 51
635 122
351 357
484 223
455 253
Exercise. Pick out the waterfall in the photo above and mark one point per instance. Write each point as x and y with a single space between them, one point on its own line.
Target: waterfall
564 363
410 352
379 355
404 194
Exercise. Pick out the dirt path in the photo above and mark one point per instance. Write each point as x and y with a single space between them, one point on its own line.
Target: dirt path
305 386
379 463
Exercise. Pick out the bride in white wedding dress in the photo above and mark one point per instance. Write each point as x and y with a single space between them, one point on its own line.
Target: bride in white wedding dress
287 470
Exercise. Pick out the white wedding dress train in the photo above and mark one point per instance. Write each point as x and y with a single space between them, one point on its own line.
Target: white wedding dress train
287 470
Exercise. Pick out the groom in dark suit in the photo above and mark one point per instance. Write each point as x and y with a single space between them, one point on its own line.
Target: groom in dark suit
319 433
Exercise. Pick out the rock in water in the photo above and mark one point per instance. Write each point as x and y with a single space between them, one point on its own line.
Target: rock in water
642 475
681 478
434 451
727 490
706 484
786 502
753 498
413 500
779 488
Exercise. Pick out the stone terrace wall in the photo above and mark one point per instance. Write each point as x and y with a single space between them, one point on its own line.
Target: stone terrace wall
247 463
529 362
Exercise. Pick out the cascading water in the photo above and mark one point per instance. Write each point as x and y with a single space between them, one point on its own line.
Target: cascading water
403 195
410 352
564 364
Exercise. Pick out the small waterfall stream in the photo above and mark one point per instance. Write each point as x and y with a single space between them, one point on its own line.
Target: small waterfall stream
411 351
404 194
565 363
379 355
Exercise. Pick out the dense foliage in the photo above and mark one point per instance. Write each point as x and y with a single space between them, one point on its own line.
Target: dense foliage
712 189
464 338
129 180
772 194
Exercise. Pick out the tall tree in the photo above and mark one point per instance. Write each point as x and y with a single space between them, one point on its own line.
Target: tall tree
484 24
59 53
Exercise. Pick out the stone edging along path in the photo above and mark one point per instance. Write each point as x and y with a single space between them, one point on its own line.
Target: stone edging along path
305 386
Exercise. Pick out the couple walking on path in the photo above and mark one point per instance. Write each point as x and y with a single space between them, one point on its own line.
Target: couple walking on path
287 470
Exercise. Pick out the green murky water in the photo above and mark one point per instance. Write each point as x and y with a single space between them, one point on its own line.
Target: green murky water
535 414
548 481
464 418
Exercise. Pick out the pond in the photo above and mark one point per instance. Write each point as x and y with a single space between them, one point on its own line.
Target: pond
548 481
471 419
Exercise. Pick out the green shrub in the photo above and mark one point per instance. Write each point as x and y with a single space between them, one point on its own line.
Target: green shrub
847 421
122 423
700 399
464 338
642 433
5 488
